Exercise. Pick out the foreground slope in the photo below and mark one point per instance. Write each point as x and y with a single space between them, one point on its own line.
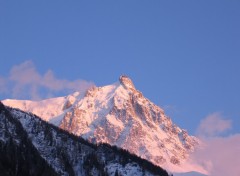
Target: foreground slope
30 146
120 115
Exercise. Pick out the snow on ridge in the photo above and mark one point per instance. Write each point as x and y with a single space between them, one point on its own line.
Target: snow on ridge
120 115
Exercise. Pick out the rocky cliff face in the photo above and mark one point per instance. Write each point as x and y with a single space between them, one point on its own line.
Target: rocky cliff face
119 115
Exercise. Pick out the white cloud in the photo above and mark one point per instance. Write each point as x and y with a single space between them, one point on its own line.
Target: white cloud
25 81
213 124
219 155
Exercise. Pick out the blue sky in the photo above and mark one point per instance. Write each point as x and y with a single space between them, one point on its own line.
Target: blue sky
183 55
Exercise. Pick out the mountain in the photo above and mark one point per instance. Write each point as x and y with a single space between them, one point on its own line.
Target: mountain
31 146
120 115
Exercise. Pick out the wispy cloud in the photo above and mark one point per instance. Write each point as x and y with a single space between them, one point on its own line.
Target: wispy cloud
220 155
214 124
25 81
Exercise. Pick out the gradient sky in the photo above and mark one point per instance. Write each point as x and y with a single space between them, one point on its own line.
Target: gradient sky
183 55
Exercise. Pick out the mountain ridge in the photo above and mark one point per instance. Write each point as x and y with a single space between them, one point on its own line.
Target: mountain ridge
120 115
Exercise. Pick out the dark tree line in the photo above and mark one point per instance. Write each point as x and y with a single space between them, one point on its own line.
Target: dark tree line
20 159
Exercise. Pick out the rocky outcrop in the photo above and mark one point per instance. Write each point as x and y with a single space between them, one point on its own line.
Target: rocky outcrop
126 82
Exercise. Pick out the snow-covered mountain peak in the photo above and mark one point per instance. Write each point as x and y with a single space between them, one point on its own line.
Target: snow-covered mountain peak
120 115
